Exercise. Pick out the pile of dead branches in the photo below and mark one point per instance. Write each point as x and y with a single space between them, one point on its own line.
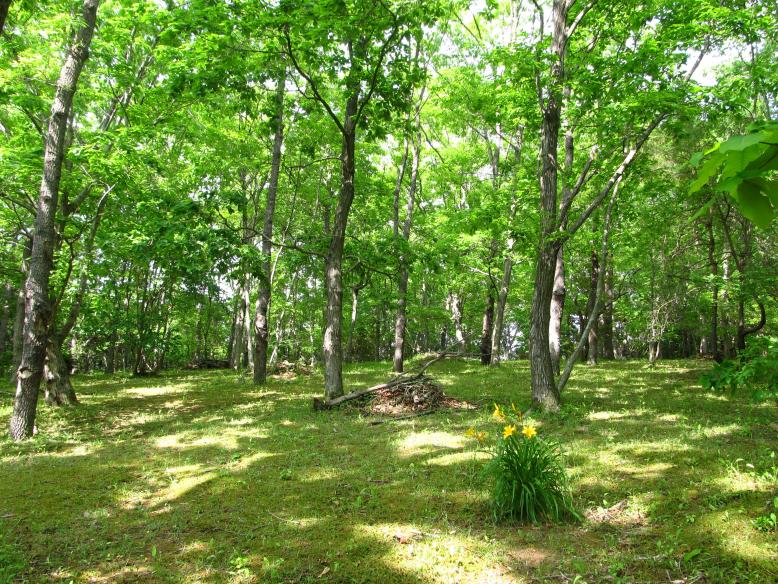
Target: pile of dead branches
410 395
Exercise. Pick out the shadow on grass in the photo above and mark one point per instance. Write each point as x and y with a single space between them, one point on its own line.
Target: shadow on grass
202 477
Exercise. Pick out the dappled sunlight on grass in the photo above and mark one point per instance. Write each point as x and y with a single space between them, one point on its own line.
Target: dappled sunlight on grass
202 477
424 442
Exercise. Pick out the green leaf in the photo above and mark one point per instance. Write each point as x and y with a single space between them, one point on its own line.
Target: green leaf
740 143
688 556
754 204
702 210
706 171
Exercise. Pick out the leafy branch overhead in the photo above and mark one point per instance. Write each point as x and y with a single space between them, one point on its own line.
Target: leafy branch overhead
745 167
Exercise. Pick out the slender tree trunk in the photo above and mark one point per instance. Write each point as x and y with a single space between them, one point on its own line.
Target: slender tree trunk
502 301
265 285
8 300
248 347
238 342
593 335
486 328
402 283
333 278
600 286
353 323
607 316
17 340
456 306
4 6
37 306
714 309
557 310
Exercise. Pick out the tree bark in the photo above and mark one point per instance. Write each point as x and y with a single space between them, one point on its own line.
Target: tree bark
59 389
400 321
456 306
486 329
607 316
544 390
714 309
37 306
557 310
333 278
600 286
8 300
4 6
593 335
238 342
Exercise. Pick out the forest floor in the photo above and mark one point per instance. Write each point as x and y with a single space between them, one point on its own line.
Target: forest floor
201 477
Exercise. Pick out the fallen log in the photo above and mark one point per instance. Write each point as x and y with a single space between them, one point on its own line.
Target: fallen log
323 404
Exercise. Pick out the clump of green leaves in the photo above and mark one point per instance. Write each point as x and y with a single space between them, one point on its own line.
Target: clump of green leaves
756 368
744 166
769 521
529 481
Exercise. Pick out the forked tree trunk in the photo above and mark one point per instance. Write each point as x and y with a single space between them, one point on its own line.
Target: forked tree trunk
37 306
333 277
544 390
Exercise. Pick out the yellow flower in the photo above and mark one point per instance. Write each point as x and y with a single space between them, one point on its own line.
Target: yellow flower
529 431
481 437
508 431
470 433
516 410
497 414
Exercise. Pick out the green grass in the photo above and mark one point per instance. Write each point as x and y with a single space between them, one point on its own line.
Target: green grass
200 477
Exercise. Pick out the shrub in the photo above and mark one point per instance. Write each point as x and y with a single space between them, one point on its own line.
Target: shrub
529 482
755 368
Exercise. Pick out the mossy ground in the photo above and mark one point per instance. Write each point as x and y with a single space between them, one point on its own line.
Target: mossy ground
201 477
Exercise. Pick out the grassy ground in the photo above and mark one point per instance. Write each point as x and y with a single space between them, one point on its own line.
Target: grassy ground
200 477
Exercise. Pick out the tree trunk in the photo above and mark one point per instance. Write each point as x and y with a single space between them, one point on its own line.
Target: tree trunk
59 390
593 336
402 283
7 300
353 323
499 311
240 326
714 271
607 317
4 6
456 306
37 306
333 277
486 329
557 310
544 391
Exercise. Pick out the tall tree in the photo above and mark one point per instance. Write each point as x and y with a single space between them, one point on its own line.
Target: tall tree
37 304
